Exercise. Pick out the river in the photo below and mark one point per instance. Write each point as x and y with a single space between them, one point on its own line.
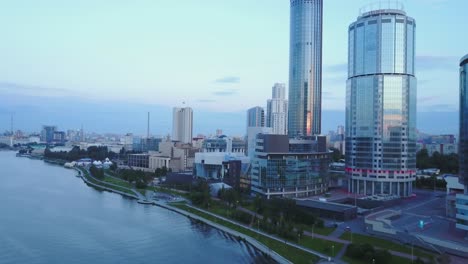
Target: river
47 215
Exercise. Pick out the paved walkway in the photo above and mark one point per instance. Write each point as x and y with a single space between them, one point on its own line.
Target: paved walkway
316 253
334 237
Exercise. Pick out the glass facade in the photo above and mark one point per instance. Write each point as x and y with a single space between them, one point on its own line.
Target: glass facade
463 142
381 104
256 117
305 68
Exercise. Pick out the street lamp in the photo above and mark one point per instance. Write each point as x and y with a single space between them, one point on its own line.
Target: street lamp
313 230
333 250
373 261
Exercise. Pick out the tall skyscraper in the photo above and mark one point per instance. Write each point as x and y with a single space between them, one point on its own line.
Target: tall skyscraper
305 68
182 124
463 141
277 110
462 199
256 117
381 104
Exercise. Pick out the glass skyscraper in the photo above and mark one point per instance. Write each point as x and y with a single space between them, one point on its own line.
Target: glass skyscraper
381 104
305 68
462 199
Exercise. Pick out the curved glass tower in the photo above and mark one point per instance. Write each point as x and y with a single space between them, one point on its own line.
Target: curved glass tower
305 68
463 143
462 198
381 104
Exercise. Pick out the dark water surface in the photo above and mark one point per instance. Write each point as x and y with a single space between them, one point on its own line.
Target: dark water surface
47 215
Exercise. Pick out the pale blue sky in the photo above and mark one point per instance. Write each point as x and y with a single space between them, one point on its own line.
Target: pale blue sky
215 55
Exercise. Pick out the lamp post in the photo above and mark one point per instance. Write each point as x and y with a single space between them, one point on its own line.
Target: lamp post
333 250
313 230
411 251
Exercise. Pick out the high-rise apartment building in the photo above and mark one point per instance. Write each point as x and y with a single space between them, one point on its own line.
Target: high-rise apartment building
256 117
381 104
462 199
277 110
305 68
182 124
47 133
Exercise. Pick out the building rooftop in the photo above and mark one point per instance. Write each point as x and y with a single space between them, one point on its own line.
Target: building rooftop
464 60
336 207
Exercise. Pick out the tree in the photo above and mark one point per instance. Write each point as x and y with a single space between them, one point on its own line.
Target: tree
336 156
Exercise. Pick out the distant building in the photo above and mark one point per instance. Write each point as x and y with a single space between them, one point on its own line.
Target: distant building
222 166
148 161
256 117
441 148
182 155
284 167
127 142
462 199
252 133
277 110
59 137
182 124
223 144
47 133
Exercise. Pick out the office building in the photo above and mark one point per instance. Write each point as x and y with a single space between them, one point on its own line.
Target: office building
182 124
47 133
287 167
381 104
305 68
277 110
462 198
256 117
223 144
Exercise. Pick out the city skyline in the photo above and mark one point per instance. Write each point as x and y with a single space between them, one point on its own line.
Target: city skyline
227 87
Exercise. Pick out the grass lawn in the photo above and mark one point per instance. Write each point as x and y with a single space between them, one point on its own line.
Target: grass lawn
291 253
91 179
165 190
321 245
115 181
321 231
395 259
385 244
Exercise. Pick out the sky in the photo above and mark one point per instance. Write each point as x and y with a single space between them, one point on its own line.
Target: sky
104 64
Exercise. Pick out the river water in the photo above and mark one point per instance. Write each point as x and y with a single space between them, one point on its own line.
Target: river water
47 215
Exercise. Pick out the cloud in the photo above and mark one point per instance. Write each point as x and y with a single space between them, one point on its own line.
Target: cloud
23 87
225 92
431 62
206 100
337 68
228 79
17 88
438 108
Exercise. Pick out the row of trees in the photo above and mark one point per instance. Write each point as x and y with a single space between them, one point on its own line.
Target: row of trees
430 183
446 163
96 172
140 178
200 194
93 152
286 210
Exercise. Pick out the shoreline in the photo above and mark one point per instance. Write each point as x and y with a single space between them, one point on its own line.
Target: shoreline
265 250
247 239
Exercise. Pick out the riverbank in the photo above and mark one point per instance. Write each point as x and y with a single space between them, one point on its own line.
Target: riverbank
263 243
